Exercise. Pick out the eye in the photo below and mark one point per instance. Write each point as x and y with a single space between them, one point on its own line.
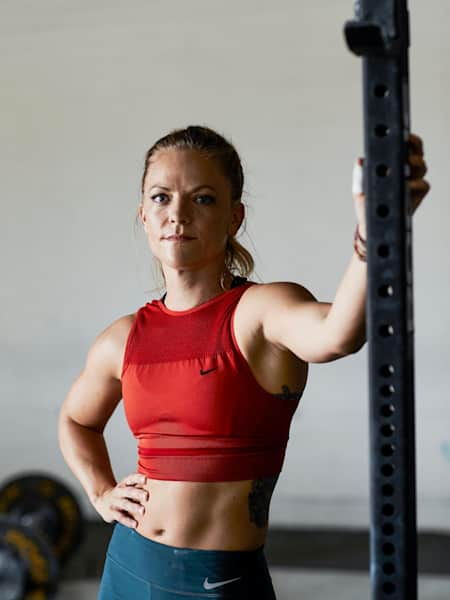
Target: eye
210 199
157 196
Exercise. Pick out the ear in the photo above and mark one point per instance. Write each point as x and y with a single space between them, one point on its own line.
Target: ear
237 216
142 214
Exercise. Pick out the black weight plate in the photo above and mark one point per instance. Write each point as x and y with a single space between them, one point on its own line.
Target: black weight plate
37 498
13 575
36 564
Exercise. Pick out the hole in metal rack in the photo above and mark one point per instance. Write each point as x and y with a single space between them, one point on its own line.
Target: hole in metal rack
383 251
382 170
387 410
386 330
388 548
387 390
381 90
387 430
388 568
386 290
387 489
388 509
387 449
383 210
387 469
387 370
389 588
382 130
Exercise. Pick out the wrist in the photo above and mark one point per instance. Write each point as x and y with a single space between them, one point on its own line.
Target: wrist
359 244
97 495
361 229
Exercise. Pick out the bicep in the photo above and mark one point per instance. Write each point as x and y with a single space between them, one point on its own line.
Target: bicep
97 390
294 320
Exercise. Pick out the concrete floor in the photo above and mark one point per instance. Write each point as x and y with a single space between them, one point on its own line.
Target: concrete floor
299 584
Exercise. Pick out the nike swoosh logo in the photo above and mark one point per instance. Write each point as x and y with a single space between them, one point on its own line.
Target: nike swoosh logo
202 372
211 586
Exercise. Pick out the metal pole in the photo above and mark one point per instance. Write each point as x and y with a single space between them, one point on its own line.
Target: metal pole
380 34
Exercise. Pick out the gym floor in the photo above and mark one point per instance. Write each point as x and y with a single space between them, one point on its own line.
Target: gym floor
299 584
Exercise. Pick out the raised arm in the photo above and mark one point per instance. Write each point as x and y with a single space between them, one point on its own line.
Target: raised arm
294 320
321 331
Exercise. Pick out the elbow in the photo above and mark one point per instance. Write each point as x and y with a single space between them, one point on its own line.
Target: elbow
64 423
356 347
351 346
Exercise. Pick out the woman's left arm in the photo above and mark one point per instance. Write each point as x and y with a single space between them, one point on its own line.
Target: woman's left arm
346 318
291 318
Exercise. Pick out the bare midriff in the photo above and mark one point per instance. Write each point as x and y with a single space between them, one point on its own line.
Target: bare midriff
204 515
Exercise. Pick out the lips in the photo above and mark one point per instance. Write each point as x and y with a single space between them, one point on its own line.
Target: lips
179 237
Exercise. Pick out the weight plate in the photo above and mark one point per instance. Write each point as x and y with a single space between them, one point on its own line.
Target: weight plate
13 576
27 563
43 502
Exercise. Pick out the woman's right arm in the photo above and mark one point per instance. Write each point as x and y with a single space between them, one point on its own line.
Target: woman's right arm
84 414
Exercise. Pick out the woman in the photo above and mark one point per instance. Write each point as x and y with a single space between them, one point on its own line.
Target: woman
211 375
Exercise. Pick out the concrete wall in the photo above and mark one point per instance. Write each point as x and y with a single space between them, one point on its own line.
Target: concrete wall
86 88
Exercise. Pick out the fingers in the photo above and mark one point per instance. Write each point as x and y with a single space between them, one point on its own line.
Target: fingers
123 518
126 500
132 500
417 166
415 169
415 144
133 479
419 188
133 508
126 511
133 493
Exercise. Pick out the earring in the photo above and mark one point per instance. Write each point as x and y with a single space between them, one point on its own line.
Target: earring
222 280
227 268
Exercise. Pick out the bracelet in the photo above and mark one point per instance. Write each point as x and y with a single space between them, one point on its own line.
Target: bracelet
359 245
358 235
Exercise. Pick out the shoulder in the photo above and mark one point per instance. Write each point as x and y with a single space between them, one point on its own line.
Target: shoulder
263 304
277 294
117 332
108 347
291 318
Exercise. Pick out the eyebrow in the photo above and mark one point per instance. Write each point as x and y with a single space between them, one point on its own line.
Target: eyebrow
199 187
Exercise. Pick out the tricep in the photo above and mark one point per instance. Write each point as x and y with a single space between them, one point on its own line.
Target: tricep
293 319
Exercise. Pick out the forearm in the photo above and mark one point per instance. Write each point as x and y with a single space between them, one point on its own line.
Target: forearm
347 316
86 454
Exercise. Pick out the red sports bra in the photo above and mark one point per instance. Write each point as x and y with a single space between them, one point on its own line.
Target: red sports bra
191 400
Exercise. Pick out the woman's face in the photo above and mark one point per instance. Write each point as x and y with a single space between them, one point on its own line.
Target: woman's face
186 193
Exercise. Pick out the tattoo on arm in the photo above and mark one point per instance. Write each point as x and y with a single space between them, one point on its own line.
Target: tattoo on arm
288 395
259 499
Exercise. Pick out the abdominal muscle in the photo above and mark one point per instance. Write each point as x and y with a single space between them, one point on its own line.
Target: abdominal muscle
229 515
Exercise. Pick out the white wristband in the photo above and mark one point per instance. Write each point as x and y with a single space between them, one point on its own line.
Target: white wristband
358 179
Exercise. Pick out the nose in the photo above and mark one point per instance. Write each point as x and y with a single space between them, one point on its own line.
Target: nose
179 212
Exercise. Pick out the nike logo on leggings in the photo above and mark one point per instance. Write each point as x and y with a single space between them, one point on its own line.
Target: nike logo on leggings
211 586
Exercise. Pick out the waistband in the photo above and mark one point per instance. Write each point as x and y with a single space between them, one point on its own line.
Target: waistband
183 569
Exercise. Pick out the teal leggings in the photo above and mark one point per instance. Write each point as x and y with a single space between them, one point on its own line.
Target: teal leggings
137 568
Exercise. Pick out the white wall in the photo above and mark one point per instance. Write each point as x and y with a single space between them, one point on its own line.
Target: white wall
86 88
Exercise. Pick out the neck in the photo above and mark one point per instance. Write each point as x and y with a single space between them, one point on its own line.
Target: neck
188 294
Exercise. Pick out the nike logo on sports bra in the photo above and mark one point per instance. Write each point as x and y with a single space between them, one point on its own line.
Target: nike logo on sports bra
202 372
211 586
